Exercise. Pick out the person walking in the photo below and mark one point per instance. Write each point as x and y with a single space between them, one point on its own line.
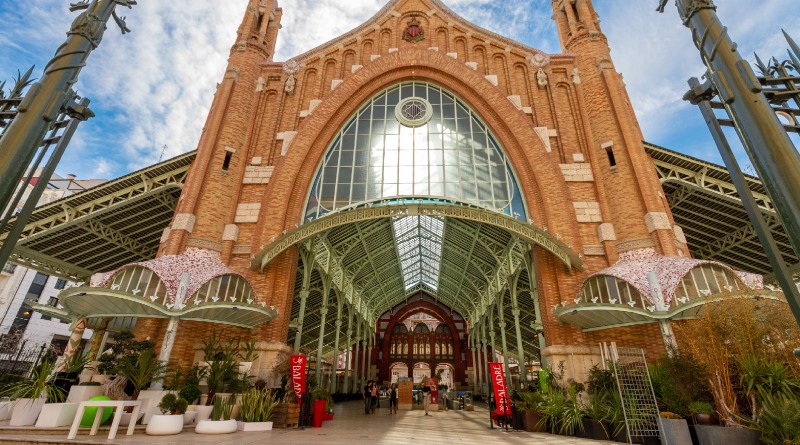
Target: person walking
393 399
426 395
367 397
373 397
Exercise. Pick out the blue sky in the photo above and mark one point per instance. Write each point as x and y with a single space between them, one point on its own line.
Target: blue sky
152 88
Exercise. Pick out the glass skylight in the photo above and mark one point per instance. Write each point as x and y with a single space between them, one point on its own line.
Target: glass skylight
419 246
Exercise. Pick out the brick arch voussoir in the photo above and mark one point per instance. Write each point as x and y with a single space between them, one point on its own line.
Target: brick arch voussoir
538 174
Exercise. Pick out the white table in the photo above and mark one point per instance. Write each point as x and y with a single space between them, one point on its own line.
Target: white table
118 406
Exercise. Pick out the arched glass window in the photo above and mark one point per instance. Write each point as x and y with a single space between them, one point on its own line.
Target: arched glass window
414 139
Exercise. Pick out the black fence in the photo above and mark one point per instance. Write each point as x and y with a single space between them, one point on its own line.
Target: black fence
19 357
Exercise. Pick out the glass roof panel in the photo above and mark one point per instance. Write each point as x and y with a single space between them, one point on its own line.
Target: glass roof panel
420 250
449 155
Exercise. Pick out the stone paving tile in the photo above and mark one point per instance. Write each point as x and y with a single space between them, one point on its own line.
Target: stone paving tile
350 426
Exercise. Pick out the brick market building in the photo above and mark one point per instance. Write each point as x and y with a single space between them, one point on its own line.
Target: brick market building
422 164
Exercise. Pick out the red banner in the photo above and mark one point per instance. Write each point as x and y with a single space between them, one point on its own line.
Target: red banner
297 365
498 376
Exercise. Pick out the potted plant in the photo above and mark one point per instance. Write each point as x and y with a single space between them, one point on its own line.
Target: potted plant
674 428
221 421
31 393
141 371
530 405
170 421
779 420
322 401
256 410
702 413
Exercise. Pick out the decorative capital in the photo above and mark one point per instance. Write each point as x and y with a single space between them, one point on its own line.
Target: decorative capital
688 8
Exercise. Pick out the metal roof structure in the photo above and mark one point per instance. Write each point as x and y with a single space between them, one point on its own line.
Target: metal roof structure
98 230
368 254
705 204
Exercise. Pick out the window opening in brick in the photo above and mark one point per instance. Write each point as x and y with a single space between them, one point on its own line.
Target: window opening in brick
611 159
227 162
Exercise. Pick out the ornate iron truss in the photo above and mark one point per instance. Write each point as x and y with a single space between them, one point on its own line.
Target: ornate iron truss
705 204
100 229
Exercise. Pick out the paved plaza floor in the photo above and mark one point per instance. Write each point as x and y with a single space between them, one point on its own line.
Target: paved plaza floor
350 426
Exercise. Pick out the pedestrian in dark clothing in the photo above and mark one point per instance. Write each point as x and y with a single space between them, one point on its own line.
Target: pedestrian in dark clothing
368 397
393 399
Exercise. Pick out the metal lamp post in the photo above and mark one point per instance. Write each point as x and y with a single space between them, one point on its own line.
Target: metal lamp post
48 105
763 136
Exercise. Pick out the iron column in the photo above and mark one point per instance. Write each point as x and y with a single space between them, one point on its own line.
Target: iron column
47 98
769 147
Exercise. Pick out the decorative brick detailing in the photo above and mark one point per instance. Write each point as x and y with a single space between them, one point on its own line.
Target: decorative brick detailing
587 211
354 69
578 157
433 48
393 50
256 160
492 79
374 57
679 235
606 232
545 134
452 55
313 105
248 212
657 221
165 235
184 221
577 172
287 137
517 101
594 250
527 110
627 246
241 250
201 243
254 174
335 83
231 232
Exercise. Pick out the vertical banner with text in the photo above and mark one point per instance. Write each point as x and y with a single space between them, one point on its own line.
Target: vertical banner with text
498 376
298 373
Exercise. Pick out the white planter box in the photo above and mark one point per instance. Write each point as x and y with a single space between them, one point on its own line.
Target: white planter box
215 427
6 408
78 393
164 425
26 411
57 414
151 411
253 426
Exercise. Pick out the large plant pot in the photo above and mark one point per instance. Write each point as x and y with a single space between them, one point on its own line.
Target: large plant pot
319 413
532 422
188 417
164 425
595 430
215 427
703 419
286 415
675 431
253 426
81 393
26 411
6 408
203 413
721 435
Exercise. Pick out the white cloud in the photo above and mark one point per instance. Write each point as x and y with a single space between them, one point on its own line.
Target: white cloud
153 87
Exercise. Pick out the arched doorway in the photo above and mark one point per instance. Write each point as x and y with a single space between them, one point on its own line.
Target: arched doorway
398 371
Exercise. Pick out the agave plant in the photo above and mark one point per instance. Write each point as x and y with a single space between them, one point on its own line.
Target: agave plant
39 384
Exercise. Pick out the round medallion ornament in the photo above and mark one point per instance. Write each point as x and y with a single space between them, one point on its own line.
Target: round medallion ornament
413 112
